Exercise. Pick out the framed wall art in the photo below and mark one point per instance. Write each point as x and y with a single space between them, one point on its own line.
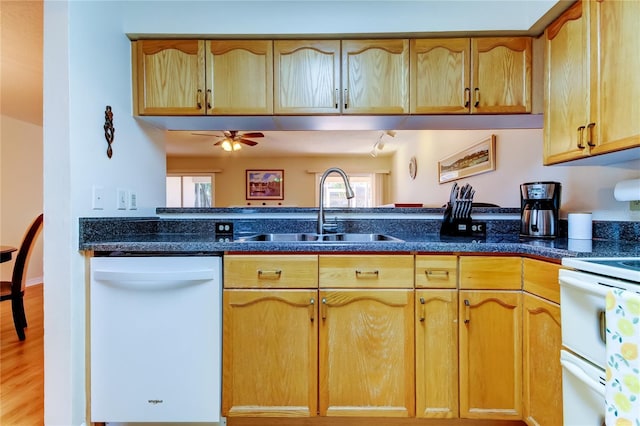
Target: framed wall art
265 184
478 158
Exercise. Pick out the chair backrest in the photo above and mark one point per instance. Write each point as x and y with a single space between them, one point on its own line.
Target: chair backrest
22 258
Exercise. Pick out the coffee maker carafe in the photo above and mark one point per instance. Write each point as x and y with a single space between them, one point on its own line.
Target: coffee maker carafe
539 207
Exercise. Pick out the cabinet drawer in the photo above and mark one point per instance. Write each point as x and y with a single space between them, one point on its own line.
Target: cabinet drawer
541 278
269 271
490 272
371 271
436 271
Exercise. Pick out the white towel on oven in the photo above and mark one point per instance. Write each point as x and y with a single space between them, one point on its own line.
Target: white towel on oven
622 390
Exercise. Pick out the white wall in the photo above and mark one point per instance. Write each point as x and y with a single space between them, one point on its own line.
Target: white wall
518 160
20 190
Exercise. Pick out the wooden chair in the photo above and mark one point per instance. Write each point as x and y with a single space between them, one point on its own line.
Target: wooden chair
14 290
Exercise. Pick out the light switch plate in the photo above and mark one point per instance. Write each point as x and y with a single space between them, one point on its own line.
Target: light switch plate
133 200
97 198
122 199
634 205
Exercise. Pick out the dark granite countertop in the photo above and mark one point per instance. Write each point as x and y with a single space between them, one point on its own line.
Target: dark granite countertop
184 235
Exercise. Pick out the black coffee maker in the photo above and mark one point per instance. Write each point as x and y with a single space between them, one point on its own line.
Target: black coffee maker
539 207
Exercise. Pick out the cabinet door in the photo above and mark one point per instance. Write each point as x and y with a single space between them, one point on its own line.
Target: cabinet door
367 353
566 110
541 363
168 77
375 76
239 77
437 353
307 76
270 346
440 76
501 76
490 354
615 75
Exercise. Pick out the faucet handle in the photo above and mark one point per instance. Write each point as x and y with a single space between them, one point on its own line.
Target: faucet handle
330 225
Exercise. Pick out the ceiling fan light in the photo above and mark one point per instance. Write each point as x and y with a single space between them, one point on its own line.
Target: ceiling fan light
226 145
236 146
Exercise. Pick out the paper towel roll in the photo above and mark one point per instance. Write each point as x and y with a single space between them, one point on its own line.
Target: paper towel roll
580 245
580 226
627 190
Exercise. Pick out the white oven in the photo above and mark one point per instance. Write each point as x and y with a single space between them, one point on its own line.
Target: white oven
583 293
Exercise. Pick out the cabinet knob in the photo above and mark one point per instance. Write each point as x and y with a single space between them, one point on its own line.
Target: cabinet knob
199 98
467 97
476 93
467 306
422 311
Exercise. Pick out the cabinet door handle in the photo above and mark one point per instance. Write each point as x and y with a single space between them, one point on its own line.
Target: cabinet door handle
323 308
437 274
199 98
467 306
346 98
580 133
365 274
422 309
476 93
336 95
208 97
467 97
590 127
274 275
312 309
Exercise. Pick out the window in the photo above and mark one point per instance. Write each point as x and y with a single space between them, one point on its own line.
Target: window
190 191
366 186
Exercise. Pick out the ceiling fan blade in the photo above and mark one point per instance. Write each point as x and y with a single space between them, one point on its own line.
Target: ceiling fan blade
247 142
253 135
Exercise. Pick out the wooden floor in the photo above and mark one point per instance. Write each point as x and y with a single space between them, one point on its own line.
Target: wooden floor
22 364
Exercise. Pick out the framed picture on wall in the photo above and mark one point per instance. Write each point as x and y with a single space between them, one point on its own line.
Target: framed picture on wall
265 184
478 158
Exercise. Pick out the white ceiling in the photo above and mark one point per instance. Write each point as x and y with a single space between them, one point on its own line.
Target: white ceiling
21 86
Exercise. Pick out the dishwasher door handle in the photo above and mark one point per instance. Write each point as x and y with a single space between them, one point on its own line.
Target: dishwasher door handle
153 279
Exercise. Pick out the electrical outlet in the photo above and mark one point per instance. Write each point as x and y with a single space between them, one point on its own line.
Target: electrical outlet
634 205
97 198
133 200
122 199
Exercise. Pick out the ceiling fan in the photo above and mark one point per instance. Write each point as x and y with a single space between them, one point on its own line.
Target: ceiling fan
232 139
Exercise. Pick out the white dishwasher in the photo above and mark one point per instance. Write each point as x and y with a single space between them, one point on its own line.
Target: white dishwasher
155 338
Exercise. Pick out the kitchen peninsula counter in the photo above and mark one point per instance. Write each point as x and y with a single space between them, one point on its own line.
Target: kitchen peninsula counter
193 231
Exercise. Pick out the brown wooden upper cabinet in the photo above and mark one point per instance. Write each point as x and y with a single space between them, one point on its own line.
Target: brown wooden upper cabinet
307 76
198 77
341 77
477 75
592 83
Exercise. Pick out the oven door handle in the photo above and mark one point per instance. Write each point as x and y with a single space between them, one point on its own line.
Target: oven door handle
583 377
589 287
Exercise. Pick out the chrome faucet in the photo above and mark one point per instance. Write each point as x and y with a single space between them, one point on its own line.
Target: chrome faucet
322 226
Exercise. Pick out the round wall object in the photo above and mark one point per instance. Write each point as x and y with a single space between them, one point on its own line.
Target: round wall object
413 167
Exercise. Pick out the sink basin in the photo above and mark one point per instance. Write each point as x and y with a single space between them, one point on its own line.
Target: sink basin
312 238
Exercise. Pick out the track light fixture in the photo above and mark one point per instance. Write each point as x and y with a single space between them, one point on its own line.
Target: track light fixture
379 145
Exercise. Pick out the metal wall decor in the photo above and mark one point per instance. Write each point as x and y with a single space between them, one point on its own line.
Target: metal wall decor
109 130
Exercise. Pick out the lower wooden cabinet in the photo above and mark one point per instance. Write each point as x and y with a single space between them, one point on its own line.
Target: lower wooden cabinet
490 354
270 347
366 353
436 319
541 362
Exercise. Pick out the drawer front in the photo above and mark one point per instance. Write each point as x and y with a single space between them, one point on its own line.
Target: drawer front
366 271
436 271
541 278
490 272
270 271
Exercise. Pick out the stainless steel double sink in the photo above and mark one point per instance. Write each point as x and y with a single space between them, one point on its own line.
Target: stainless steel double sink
316 238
